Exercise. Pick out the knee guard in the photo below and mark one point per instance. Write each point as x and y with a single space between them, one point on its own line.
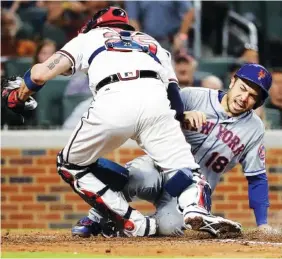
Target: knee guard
110 173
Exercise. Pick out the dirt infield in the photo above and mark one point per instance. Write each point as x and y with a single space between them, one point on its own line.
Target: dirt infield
251 244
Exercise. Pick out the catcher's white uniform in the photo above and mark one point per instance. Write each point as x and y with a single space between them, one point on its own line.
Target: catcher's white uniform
131 102
131 108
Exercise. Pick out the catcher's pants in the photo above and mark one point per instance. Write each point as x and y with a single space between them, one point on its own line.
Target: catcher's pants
137 109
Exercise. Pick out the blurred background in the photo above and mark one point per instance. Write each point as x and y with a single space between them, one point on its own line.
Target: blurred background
208 40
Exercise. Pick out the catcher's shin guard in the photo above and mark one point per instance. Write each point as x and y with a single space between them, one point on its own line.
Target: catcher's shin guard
110 204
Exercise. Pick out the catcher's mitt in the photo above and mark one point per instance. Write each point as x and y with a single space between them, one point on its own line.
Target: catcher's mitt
9 95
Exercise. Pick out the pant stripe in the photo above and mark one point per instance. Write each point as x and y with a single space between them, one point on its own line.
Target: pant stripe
68 153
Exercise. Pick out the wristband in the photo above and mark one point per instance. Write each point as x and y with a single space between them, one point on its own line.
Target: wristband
30 84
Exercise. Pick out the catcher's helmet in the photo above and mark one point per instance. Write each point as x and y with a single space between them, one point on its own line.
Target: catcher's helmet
258 75
111 17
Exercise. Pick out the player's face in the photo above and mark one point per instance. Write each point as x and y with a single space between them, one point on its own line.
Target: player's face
184 73
241 97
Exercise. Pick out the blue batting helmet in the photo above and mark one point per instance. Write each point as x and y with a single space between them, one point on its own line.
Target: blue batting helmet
258 75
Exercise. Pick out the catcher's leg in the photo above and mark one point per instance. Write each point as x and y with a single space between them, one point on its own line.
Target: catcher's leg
144 182
114 176
100 131
110 204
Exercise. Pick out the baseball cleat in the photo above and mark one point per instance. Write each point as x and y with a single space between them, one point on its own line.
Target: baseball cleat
86 227
214 225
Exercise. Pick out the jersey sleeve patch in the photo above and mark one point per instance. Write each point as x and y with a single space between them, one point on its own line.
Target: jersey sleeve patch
261 152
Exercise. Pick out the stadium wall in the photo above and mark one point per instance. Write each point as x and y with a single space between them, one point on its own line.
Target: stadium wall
34 196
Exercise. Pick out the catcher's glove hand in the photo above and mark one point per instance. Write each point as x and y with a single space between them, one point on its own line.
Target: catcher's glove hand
9 93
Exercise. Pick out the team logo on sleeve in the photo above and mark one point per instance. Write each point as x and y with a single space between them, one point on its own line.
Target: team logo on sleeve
261 152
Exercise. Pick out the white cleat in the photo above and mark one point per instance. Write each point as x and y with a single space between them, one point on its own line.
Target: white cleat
214 225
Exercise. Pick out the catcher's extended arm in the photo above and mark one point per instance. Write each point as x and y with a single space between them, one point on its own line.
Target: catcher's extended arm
36 77
16 91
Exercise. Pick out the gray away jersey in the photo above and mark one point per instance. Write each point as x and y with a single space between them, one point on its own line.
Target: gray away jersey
223 141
